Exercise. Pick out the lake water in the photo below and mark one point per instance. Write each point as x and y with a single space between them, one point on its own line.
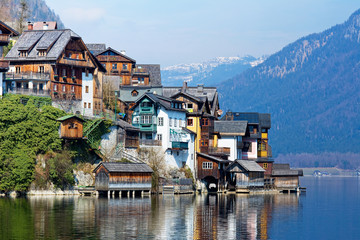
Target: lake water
330 209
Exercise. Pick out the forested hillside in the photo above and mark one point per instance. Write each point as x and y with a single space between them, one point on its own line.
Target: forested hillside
312 90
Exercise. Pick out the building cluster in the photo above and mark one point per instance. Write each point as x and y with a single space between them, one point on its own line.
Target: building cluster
225 151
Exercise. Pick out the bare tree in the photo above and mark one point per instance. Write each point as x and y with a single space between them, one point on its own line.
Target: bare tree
5 10
23 15
108 95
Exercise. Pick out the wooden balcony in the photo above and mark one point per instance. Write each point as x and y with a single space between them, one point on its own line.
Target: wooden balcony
219 150
76 62
150 142
4 65
4 39
28 76
131 142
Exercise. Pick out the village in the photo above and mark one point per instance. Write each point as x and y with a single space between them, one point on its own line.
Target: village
182 129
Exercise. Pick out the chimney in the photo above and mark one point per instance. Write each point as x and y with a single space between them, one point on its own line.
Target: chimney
200 88
184 87
123 52
45 26
30 26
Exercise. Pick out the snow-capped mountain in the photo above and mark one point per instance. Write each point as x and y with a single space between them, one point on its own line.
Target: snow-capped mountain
211 72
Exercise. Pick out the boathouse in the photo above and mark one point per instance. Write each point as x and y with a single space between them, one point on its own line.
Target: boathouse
71 127
286 179
245 175
117 179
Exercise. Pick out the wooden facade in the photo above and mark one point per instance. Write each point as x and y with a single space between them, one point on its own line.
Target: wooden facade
245 175
71 127
122 176
209 166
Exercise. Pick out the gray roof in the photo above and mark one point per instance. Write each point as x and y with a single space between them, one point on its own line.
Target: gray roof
263 119
248 165
96 48
118 53
230 128
284 170
199 91
125 92
8 29
154 72
213 158
32 41
125 125
163 101
125 167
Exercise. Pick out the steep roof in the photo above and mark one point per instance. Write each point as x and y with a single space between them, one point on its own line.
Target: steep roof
154 72
213 158
118 53
125 167
161 100
248 165
125 125
6 29
96 48
127 97
230 128
54 41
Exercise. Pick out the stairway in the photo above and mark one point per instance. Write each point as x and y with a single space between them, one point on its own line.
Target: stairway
120 154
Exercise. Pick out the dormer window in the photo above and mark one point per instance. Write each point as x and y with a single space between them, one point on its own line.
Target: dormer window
42 53
23 53
134 93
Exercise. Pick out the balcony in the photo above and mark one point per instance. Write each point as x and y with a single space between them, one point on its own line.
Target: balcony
75 62
145 127
150 142
4 65
140 72
4 39
28 76
131 142
30 92
180 145
219 150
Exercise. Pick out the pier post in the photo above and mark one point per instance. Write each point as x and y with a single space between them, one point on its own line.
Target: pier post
133 194
128 194
109 194
120 194
113 194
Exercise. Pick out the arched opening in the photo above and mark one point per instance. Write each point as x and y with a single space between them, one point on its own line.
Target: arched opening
211 183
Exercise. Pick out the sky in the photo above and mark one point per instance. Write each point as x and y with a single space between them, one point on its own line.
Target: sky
189 31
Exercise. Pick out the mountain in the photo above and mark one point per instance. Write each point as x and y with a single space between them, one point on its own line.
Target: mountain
212 71
312 90
38 10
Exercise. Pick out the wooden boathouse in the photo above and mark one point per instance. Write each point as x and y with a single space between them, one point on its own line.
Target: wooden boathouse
122 179
71 127
244 175
286 179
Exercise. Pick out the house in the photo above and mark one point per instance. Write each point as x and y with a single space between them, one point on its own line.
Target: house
162 123
54 63
211 171
45 25
229 136
122 177
286 179
245 175
5 33
71 127
255 142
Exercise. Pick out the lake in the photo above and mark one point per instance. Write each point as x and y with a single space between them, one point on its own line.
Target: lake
330 209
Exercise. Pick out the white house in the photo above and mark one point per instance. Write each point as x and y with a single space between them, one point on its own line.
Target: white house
162 122
87 102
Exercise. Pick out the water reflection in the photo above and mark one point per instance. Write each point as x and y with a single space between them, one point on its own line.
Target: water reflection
228 216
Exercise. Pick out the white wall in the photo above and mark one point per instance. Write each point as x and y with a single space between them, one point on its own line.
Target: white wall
2 84
253 153
230 142
87 97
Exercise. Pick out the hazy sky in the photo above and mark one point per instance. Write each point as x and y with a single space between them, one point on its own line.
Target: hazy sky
171 32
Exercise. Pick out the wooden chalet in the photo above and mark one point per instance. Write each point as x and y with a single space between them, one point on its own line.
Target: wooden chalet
244 175
118 177
212 170
52 63
286 179
71 127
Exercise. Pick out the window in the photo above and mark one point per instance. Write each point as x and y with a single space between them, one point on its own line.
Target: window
265 166
136 120
55 71
190 122
87 89
41 69
247 147
180 123
86 72
146 104
114 66
55 87
64 88
72 126
72 88
73 72
177 153
204 143
89 105
207 165
18 69
189 105
146 119
141 80
159 137
192 156
160 121
134 93
204 122
84 104
175 122
125 66
170 122
64 72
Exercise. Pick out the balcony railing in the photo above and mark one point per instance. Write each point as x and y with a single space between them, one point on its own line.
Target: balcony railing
131 142
30 91
4 64
4 38
219 150
28 76
150 142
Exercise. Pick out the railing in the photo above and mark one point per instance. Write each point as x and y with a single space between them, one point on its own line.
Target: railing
131 142
29 91
219 150
4 38
150 142
4 64
28 76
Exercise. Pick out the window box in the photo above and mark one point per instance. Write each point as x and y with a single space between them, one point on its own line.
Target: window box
56 77
64 77
73 78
